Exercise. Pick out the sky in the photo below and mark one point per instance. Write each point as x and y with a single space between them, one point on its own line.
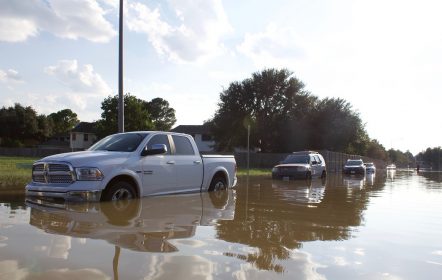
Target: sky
382 56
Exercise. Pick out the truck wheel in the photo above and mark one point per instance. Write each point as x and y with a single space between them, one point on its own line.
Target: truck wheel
218 183
119 190
324 174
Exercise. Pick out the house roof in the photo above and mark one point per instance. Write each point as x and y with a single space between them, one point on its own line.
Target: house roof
192 129
85 127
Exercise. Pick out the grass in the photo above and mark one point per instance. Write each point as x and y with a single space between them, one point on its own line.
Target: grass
254 172
15 172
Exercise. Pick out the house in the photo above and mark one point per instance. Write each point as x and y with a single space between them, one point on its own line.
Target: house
201 134
82 136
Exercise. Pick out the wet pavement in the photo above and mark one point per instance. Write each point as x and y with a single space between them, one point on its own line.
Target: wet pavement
387 226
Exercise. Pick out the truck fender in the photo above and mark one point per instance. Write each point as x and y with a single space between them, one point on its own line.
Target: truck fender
133 176
211 175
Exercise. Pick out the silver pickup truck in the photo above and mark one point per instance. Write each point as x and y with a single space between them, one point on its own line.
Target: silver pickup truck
129 165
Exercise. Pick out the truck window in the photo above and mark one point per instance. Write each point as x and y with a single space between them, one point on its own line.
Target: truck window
182 145
159 139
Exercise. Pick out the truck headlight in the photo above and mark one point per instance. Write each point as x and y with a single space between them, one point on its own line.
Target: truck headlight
88 174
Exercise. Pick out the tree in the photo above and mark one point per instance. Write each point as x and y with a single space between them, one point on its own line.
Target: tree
269 102
136 116
162 116
337 127
64 121
432 157
18 124
376 150
285 117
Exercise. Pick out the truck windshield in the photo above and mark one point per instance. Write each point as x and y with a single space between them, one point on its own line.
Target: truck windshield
127 142
296 159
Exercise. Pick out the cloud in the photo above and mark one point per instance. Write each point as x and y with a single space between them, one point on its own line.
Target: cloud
10 76
276 46
79 79
196 34
20 20
84 89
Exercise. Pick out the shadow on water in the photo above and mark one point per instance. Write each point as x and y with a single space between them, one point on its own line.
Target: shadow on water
278 216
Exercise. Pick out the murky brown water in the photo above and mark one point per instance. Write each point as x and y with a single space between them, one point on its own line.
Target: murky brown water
386 227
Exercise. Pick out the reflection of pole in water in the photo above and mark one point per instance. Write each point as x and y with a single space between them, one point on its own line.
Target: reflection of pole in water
247 194
115 261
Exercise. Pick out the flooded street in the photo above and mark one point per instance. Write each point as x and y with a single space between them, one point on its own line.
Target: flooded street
387 226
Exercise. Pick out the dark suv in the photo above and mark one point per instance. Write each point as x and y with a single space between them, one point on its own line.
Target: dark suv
354 166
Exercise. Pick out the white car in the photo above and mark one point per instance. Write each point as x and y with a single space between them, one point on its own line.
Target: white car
301 165
129 165
369 167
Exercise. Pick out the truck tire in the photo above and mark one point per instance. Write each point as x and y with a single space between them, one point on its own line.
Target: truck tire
324 174
218 183
119 190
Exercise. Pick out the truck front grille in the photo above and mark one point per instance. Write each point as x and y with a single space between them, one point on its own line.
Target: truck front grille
54 173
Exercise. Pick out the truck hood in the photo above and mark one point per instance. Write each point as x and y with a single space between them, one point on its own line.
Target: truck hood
89 158
293 165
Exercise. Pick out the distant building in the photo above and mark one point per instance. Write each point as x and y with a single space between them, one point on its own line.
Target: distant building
82 136
201 134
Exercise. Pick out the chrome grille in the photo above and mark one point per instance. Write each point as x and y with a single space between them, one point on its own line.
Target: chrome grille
58 167
53 173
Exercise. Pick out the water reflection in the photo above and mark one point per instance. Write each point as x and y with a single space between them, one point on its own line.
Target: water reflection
432 176
276 217
261 229
144 225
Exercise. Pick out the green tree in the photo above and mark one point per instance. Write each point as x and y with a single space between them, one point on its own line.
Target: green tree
136 115
18 124
337 127
400 158
269 101
432 157
45 127
162 115
64 121
376 150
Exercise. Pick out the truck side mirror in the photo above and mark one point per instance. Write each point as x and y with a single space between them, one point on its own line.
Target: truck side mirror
156 149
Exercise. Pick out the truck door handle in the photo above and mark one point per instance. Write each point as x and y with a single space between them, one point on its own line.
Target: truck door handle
197 161
171 162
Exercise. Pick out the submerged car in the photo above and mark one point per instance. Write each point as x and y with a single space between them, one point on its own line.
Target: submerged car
301 165
369 167
354 166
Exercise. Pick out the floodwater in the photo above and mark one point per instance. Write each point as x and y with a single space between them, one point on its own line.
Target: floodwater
387 226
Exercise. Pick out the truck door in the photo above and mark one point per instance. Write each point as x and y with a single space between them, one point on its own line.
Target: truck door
189 166
159 174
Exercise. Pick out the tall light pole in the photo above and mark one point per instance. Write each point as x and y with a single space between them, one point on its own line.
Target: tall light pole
120 73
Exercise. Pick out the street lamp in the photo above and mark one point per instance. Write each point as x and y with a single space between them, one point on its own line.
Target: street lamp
120 73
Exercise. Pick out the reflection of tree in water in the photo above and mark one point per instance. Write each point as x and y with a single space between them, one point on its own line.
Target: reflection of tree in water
432 176
276 226
13 201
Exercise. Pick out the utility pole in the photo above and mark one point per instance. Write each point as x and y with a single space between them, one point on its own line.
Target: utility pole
120 73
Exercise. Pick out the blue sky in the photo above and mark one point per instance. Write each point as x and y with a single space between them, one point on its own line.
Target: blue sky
382 56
